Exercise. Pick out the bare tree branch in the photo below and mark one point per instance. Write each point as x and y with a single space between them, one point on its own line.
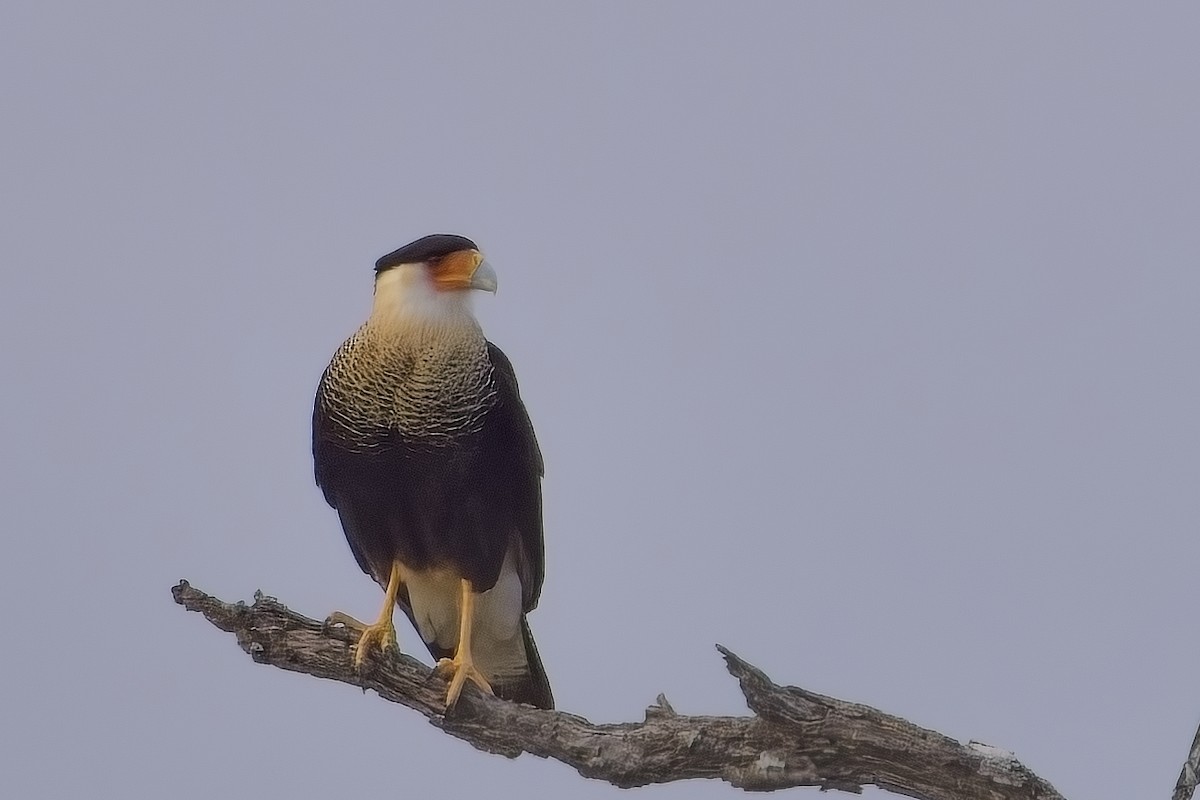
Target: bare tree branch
1185 787
796 738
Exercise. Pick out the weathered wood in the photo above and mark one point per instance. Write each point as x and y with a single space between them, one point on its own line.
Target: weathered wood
1185 787
796 738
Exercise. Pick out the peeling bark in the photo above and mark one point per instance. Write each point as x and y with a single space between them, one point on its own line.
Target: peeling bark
795 738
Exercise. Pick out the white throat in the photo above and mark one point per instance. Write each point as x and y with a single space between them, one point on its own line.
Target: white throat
406 295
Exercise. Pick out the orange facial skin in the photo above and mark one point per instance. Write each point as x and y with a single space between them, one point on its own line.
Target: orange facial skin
454 270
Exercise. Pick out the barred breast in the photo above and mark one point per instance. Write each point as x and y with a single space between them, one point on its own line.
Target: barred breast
430 386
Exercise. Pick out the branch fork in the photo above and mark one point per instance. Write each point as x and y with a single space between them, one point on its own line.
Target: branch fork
795 737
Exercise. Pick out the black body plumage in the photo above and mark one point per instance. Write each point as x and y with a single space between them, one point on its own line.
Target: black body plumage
423 446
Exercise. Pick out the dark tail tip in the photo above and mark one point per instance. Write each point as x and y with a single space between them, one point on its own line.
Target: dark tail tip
534 688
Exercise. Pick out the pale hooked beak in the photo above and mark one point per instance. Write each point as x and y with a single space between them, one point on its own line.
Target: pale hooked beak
484 277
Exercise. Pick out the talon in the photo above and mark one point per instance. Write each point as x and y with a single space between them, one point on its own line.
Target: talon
456 673
462 667
346 621
382 631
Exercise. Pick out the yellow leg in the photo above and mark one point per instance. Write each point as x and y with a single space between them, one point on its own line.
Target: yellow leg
462 666
382 630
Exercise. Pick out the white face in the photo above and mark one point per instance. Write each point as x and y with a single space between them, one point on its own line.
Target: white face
407 293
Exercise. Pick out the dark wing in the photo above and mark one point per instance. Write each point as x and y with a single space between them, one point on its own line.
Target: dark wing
516 460
331 468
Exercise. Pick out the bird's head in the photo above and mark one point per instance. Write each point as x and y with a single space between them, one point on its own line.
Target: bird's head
429 279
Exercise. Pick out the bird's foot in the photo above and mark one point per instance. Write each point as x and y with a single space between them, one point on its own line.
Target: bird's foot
346 621
381 634
458 671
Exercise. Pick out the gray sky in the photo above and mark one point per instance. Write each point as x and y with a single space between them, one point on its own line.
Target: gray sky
860 338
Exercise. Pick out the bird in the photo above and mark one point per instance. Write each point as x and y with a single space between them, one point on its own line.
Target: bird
423 446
